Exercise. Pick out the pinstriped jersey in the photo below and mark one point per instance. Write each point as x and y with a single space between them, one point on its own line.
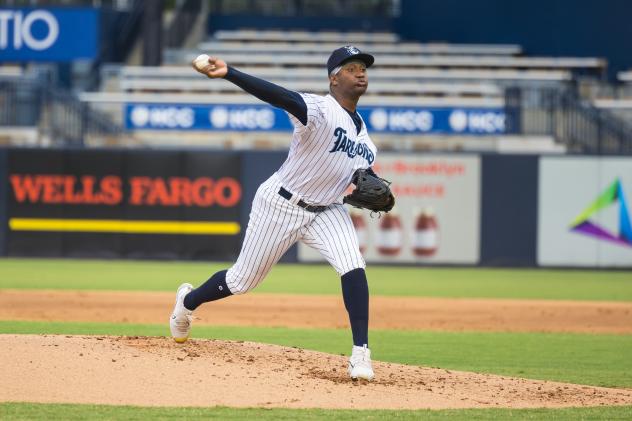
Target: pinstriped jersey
325 152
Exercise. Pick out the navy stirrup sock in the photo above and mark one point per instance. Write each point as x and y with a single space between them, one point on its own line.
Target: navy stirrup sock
213 289
355 293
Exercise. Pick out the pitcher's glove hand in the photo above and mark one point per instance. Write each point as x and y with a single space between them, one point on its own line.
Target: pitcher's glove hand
371 192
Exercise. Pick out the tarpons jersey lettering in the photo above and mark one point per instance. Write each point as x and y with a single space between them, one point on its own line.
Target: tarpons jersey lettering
325 146
351 148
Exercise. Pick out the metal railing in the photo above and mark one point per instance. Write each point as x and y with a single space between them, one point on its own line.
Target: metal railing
126 24
186 13
570 119
58 115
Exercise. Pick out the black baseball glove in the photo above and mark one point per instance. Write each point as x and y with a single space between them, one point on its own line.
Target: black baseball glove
371 192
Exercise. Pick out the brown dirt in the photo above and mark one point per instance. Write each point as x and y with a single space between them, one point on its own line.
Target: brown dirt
413 313
151 371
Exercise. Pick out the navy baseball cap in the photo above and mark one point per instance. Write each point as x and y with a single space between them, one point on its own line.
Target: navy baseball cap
346 53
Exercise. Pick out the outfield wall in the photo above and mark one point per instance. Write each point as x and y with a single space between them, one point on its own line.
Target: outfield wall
452 209
584 212
123 203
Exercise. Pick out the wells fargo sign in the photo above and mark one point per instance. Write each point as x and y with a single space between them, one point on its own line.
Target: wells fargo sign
132 203
109 190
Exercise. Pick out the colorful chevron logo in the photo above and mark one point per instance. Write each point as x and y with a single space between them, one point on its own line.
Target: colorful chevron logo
608 197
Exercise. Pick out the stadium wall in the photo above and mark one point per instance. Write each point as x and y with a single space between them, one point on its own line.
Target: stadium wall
541 27
509 210
453 209
123 203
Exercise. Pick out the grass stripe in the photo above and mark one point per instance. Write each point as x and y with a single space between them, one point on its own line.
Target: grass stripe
601 360
321 279
29 411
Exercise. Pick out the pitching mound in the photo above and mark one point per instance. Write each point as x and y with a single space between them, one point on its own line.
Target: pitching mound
154 371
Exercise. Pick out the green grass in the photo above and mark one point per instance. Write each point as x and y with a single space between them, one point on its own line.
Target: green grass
601 360
29 411
321 279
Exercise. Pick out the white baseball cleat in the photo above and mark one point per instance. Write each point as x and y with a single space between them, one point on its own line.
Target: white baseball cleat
360 363
180 321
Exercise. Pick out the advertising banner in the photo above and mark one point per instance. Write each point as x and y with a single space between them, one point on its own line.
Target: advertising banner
124 203
436 218
584 212
48 34
417 120
248 117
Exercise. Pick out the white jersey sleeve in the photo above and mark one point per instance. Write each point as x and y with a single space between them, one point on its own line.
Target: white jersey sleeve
315 113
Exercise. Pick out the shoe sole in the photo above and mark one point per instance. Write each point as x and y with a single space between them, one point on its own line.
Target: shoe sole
368 379
182 340
361 379
354 378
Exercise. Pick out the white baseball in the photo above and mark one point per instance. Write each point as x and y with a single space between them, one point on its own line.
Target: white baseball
201 61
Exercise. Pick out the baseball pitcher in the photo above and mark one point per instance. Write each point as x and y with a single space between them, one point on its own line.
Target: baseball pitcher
330 150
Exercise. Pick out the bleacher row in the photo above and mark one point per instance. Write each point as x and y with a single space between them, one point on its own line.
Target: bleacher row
405 73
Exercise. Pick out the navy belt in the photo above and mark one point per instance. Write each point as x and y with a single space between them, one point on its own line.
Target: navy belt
311 208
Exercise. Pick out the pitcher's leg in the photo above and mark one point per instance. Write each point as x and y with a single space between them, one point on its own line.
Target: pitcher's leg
272 228
213 289
216 287
332 233
355 293
271 231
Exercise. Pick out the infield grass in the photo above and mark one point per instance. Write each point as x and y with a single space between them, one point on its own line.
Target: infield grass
600 360
31 411
322 279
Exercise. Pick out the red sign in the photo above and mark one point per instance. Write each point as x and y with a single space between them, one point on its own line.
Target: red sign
108 190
